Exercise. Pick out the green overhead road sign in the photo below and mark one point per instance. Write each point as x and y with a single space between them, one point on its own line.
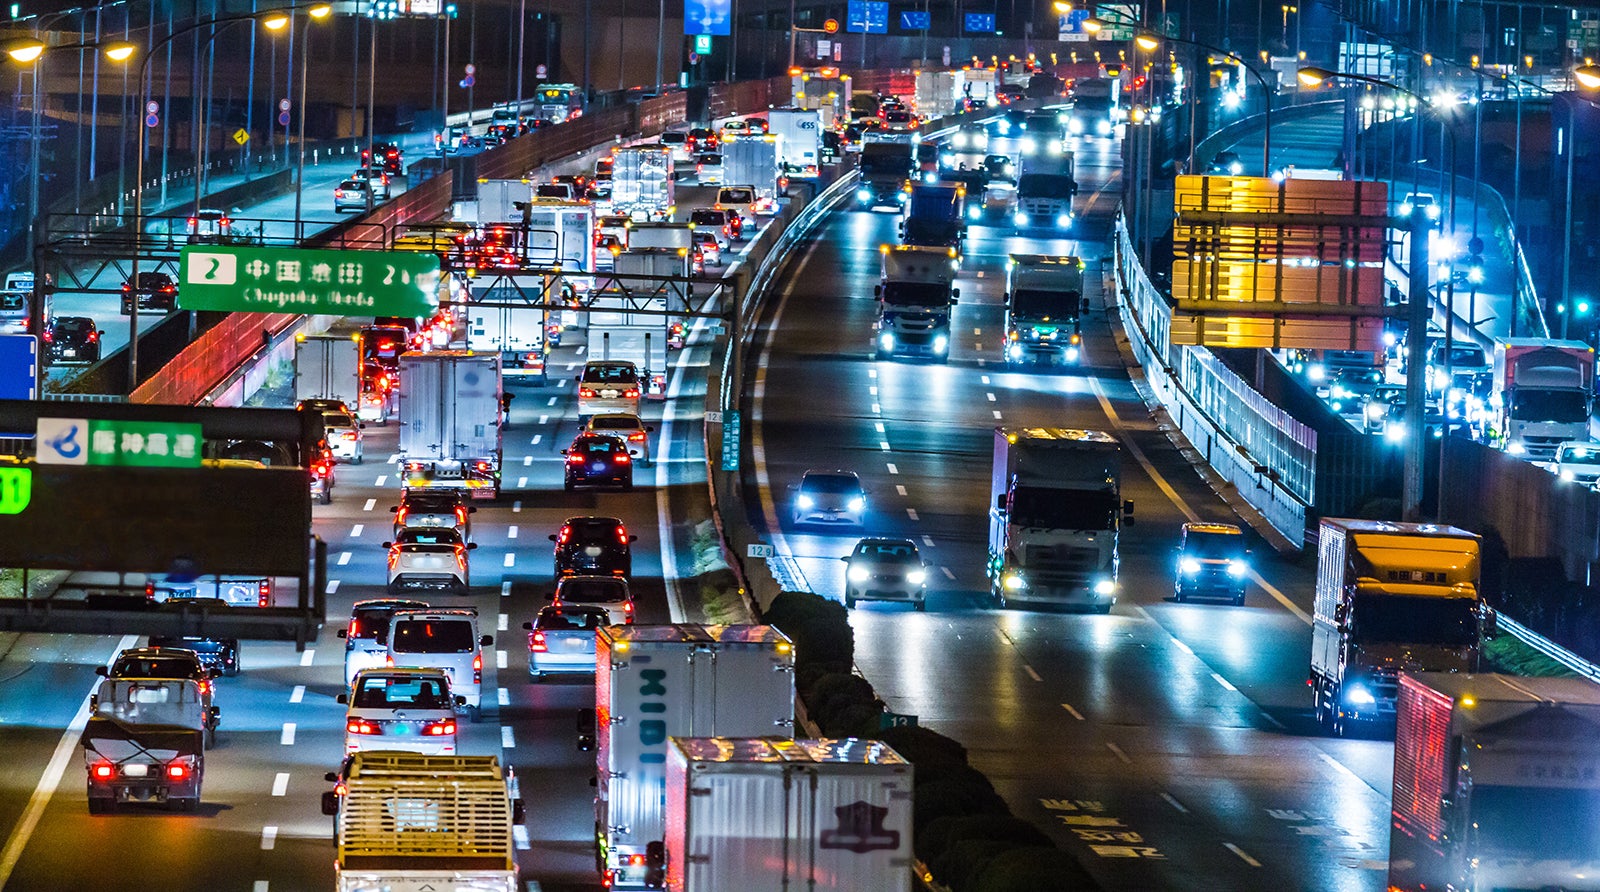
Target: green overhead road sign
147 444
16 489
309 281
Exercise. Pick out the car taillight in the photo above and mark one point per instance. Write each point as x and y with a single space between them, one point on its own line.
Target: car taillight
338 193
588 393
177 771
193 221
575 459
338 788
360 726
48 336
264 593
637 436
483 466
388 660
635 860
536 642
566 533
631 393
477 669
104 771
441 728
627 610
94 337
623 459
400 516
205 686
461 514
622 534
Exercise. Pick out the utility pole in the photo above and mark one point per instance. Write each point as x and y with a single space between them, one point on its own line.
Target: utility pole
1416 366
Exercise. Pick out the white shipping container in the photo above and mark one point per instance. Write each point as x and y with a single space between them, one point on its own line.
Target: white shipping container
774 815
328 367
752 161
799 135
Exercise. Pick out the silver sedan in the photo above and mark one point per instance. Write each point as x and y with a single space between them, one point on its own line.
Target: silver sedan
885 570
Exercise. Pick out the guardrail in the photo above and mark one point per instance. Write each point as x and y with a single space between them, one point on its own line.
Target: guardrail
1547 647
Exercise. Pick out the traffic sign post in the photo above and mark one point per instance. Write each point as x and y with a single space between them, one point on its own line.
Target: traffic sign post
702 44
143 444
896 720
309 281
241 136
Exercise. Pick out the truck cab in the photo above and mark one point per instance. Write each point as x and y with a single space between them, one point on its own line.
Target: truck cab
914 302
1045 189
886 169
1044 306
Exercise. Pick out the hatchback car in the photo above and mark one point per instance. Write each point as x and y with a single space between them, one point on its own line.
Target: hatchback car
350 195
627 426
156 291
366 638
343 433
708 168
606 386
445 639
598 460
703 139
72 339
608 593
376 179
209 226
1213 562
220 656
830 497
561 640
429 566
593 546
885 570
713 222
409 710
433 510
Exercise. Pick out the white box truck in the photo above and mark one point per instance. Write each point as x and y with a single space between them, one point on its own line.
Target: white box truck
408 822
653 682
1044 304
799 133
752 160
641 183
516 333
450 416
937 94
915 298
774 815
328 367
496 202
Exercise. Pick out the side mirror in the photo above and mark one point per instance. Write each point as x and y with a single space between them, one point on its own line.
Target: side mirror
387 544
102 671
342 699
552 537
633 538
877 290
394 509
486 640
343 633
331 777
528 626
472 546
330 799
565 451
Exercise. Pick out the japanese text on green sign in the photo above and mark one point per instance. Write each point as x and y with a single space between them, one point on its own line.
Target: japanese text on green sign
151 444
307 280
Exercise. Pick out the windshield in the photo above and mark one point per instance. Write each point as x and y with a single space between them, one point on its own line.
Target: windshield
13 300
886 163
599 446
867 548
593 591
610 374
831 483
557 619
1514 820
1049 184
1447 622
154 667
433 636
1038 304
1560 406
1214 545
915 294
1063 509
737 196
1467 356
371 624
383 692
1586 455
707 218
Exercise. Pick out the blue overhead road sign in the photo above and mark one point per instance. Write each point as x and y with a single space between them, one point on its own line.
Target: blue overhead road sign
914 21
867 17
19 356
980 22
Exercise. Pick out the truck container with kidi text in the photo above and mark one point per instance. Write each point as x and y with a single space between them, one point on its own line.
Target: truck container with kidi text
1390 598
450 416
1044 307
916 298
653 682
886 168
776 815
1542 392
1496 784
328 367
1055 515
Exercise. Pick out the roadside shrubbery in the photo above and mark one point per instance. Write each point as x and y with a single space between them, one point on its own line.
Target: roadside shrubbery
965 833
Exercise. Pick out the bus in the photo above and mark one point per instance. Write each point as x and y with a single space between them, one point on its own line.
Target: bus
559 102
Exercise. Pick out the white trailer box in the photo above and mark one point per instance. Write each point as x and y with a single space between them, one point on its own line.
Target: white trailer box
641 182
653 682
516 333
450 421
776 815
937 93
328 367
561 233
799 135
752 160
496 202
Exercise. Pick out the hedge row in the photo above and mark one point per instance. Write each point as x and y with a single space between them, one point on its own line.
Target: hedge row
965 833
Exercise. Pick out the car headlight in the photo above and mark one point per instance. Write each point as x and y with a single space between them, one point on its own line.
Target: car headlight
1394 433
974 212
1432 212
1236 168
947 160
1189 566
1567 475
1376 411
1516 448
863 194
1104 587
1405 208
1356 695
1063 220
1029 146
1237 568
959 140
930 177
1015 351
886 341
1074 126
859 574
805 502
1072 354
940 343
1103 127
1020 219
917 577
1014 582
1056 147
858 504
1316 372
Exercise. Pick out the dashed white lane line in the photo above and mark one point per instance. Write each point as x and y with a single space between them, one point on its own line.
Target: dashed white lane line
873 390
1072 712
984 379
260 886
357 530
516 507
527 460
519 836
900 488
544 419
1031 673
872 373
552 402
511 558
912 513
502 696
977 346
499 659
580 351
927 541
877 409
507 739
269 837
503 620
884 445
1242 856
1222 681
288 734
947 574
382 479
1178 643
511 532
280 784
537 438
990 396
298 694
878 425
371 503
893 469
1117 751
978 331
344 558
1174 803
996 414
522 483
505 589
307 655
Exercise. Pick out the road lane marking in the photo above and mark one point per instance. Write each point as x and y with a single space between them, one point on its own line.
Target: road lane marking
912 513
552 402
927 541
357 530
288 734
511 558
280 784
884 445
527 460
878 425
669 554
580 351
519 835
505 589
1183 647
499 659
537 438
872 391
503 697
978 331
269 837
893 469
1223 681
1174 803
511 532
371 503
260 886
544 419
344 558
501 625
1242 856
66 750
978 346
984 379
996 414
1117 751
990 396
877 409
522 483
307 655
1072 712
298 694
507 740
516 507
900 488
947 574
872 373
382 479
1031 673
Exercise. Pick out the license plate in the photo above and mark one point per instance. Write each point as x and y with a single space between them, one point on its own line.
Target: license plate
69 353
599 466
608 394
136 769
398 730
592 551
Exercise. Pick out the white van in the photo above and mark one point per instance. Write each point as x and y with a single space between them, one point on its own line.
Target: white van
445 639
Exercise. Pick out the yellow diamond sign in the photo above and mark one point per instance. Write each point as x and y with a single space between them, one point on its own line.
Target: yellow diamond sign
241 136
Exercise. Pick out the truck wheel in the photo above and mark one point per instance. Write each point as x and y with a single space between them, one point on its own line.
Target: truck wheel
475 713
849 602
922 606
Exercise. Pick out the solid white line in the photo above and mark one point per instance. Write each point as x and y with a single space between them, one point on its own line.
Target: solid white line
1072 712
511 558
371 503
1174 803
288 734
1031 673
66 750
298 694
280 784
505 589
382 479
507 740
900 488
344 558
504 621
1223 681
1117 751
503 697
912 513
1242 856
511 532
269 837
357 530
669 554
499 659
307 655
893 469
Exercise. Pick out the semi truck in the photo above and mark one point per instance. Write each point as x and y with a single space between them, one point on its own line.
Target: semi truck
645 338
1541 396
752 160
654 682
799 143
938 93
1055 514
641 182
1390 598
1044 308
1045 188
915 298
1094 107
1495 780
450 416
328 367
886 169
774 815
415 822
935 216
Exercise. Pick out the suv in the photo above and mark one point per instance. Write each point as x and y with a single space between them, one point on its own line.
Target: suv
72 339
445 639
429 559
1211 562
433 510
209 226
607 593
726 224
409 710
219 656
156 291
740 201
165 662
598 460
366 639
593 546
377 181
607 386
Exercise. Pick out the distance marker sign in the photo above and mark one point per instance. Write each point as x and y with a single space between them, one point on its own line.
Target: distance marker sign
308 281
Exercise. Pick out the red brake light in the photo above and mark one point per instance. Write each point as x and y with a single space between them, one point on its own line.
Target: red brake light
264 593
49 336
193 220
177 771
566 533
104 770
536 642
477 662
622 458
574 459
588 393
441 728
631 393
635 860
622 534
94 336
360 726
461 514
637 435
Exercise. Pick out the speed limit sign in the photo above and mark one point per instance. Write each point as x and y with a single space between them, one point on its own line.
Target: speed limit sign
283 105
